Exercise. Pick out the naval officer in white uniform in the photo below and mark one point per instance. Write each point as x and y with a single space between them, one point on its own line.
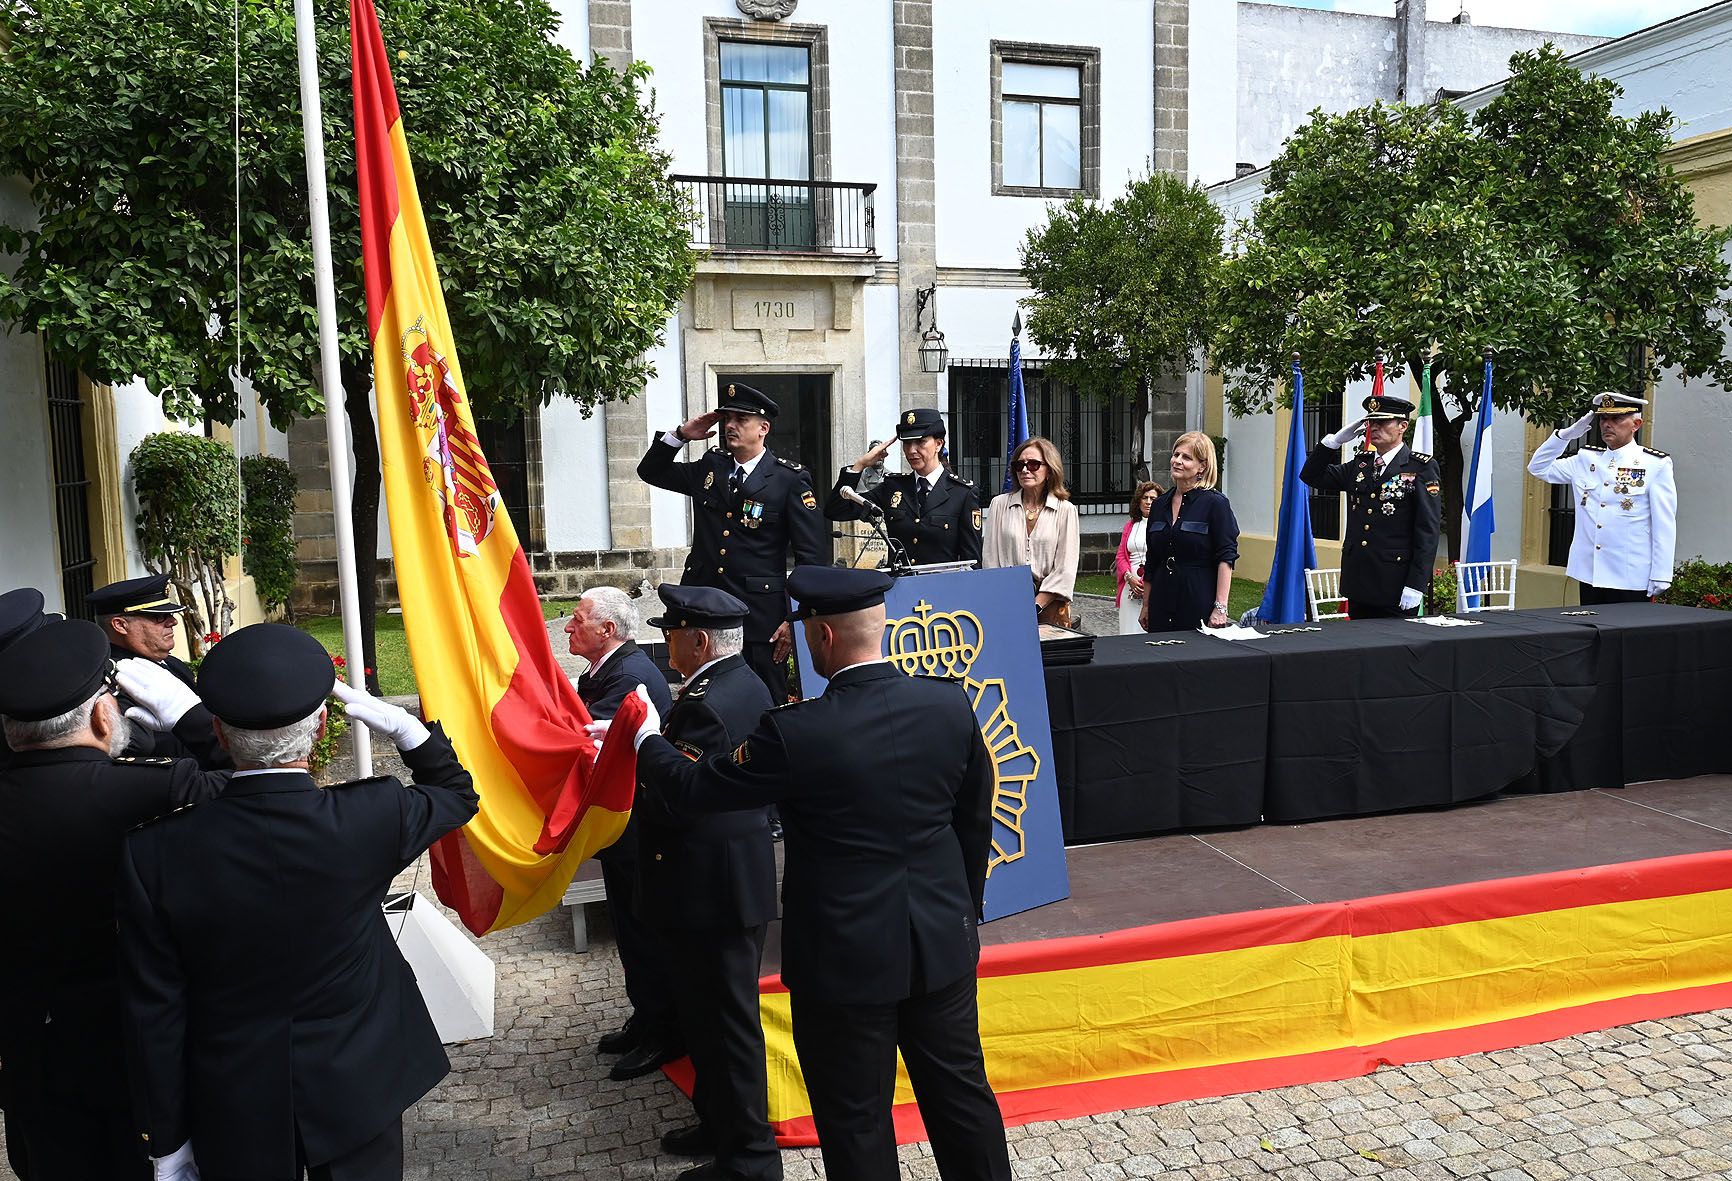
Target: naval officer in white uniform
1626 502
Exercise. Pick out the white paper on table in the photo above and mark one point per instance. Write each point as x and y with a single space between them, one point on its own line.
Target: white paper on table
1232 631
1445 621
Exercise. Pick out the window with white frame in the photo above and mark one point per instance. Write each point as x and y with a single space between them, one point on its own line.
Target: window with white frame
1046 123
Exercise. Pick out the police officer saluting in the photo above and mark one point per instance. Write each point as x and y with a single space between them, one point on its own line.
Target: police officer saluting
65 806
273 1024
708 882
1394 511
885 786
749 507
929 510
1626 502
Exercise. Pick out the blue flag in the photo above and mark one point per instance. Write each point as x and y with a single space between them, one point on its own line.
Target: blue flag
1018 407
1284 599
1478 522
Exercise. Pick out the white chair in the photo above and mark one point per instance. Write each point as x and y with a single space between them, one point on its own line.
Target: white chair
1323 588
1493 582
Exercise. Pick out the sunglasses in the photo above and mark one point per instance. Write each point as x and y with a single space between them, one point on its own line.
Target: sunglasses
1028 465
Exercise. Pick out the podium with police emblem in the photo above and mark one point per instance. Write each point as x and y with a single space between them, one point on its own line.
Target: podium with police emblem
977 627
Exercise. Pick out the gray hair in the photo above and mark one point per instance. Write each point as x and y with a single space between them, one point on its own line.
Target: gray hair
273 748
616 607
59 730
725 641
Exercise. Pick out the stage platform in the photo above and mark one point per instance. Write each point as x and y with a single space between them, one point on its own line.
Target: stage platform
1209 963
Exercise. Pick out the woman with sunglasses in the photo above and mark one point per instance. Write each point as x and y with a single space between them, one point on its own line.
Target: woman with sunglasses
1036 526
1193 541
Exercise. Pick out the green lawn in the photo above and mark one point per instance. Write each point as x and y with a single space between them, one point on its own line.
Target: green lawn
1245 595
396 674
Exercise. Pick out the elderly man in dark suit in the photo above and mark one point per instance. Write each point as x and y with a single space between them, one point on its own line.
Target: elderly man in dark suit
272 1023
66 804
885 787
602 630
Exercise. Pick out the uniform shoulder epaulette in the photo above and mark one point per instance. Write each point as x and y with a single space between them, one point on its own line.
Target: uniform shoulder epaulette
791 704
695 693
941 680
1657 454
146 761
158 819
789 464
718 451
359 782
1593 446
965 482
1422 457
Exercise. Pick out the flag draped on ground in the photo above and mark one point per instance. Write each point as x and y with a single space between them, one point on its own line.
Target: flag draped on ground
1018 430
1284 598
483 662
1478 521
1424 434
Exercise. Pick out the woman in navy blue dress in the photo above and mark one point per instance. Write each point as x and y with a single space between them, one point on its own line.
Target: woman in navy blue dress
1193 541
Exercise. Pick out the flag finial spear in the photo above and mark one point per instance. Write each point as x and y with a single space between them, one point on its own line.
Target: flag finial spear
1016 323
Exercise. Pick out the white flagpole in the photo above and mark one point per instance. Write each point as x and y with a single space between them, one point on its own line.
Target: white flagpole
336 419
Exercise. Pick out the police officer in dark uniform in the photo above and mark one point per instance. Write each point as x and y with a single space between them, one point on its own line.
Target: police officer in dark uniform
20 614
65 807
929 510
708 882
139 616
1394 511
885 787
749 508
272 1023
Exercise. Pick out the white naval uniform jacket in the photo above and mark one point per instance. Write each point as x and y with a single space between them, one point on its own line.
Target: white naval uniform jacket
1626 511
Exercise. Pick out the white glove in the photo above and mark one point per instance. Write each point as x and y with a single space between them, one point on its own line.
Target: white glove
1579 428
597 731
403 728
1410 598
1656 589
176 1166
162 698
652 721
1341 436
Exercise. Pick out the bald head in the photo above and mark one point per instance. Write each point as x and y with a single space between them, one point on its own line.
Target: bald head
837 641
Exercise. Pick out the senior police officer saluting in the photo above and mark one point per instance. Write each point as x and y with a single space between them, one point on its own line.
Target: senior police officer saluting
1394 511
930 510
273 1025
749 506
1626 502
708 882
885 786
65 806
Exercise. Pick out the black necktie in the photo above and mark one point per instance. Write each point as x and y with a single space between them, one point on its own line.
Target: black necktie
920 491
735 480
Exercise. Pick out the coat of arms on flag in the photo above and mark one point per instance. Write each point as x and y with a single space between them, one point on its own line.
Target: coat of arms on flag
452 463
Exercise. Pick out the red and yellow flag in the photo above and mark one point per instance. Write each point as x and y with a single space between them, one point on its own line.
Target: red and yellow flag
475 628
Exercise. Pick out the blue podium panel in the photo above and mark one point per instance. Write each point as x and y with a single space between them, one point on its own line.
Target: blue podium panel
978 626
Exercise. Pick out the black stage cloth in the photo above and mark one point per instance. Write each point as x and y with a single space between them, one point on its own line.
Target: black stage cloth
1381 715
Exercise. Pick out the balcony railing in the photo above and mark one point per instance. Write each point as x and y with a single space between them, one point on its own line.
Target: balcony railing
780 216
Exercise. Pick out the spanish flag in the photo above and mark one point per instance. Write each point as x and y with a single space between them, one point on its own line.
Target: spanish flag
475 628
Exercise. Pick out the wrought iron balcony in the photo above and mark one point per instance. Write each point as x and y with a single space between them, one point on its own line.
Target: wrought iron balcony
780 216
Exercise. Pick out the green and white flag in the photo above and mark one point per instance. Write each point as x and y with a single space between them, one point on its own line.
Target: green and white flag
1424 440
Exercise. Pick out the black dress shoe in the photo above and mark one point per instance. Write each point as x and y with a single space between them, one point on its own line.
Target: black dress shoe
621 1040
650 1054
710 1171
689 1141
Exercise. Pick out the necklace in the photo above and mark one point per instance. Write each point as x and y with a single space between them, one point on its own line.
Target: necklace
1032 514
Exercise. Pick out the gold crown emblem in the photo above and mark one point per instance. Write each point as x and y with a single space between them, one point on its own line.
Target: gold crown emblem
1605 400
935 644
910 419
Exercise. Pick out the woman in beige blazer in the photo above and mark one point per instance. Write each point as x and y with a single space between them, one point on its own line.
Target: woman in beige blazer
1036 526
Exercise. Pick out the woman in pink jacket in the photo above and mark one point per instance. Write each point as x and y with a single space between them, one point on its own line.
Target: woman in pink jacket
1133 543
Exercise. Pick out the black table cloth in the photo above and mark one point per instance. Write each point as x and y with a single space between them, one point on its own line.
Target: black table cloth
1381 715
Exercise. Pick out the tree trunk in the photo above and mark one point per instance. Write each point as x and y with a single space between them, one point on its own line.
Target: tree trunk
364 510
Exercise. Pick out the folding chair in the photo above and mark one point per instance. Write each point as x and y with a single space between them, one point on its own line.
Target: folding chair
1323 588
1494 583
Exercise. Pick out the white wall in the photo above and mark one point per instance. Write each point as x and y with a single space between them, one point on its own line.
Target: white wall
1250 482
573 31
1213 117
574 477
975 228
664 403
883 377
1694 424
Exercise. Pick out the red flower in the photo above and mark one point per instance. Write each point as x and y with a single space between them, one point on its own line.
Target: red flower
1711 600
339 662
212 637
368 671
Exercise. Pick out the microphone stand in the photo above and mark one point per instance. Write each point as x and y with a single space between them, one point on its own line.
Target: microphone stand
896 554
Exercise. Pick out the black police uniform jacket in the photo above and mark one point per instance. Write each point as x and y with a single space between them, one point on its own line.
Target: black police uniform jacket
740 544
193 737
603 688
948 530
265 996
718 869
885 792
1390 537
63 817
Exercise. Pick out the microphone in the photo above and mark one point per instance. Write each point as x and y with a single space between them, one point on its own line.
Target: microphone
872 510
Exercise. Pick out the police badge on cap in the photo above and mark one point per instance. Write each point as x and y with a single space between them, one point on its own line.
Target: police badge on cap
1609 403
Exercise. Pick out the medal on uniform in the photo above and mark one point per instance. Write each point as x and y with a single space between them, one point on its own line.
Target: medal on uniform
752 513
896 499
1389 508
709 480
1627 504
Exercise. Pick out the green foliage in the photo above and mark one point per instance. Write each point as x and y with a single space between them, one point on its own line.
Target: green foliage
189 520
1696 583
1440 599
268 527
1124 292
331 741
1544 227
561 243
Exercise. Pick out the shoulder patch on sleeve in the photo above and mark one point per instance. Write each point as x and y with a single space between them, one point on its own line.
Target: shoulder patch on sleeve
742 754
807 499
689 749
789 464
1656 454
